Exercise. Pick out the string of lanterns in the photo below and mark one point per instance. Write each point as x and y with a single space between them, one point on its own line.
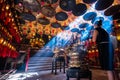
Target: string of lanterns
6 33
6 49
8 30
7 19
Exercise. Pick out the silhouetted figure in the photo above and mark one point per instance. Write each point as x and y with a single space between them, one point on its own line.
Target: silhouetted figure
105 49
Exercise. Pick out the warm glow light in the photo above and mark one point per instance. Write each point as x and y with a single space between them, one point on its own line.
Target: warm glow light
89 51
10 14
4 43
12 19
118 37
1 40
7 7
119 25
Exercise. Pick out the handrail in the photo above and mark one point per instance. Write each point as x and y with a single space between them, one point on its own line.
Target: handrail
5 76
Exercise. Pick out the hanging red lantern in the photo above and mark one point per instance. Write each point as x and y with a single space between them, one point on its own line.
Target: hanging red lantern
7 20
2 16
53 31
41 32
24 32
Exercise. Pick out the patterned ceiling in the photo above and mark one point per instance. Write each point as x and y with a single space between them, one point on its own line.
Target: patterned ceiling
43 19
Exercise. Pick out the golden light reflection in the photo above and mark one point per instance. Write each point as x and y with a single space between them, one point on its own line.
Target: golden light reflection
37 42
7 7
1 40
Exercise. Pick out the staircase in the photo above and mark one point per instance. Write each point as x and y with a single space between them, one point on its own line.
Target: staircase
37 63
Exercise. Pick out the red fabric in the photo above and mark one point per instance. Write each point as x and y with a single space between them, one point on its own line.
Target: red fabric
9 52
6 21
2 16
14 54
4 54
1 49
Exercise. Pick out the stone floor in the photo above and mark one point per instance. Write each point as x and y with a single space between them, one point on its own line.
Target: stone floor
46 75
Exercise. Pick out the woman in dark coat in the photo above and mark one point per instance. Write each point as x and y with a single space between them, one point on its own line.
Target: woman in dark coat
106 52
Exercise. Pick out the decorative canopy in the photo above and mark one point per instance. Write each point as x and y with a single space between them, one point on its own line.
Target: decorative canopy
116 16
103 4
112 10
29 18
51 1
80 9
55 25
48 11
75 30
61 16
83 25
89 16
89 1
43 21
64 5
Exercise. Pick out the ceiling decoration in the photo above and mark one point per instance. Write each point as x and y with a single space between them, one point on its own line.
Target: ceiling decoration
89 1
61 16
89 16
51 1
116 16
67 28
103 4
64 5
31 5
75 30
48 11
28 16
97 18
112 10
37 42
83 25
80 9
89 27
71 4
63 27
50 17
55 25
43 21
22 21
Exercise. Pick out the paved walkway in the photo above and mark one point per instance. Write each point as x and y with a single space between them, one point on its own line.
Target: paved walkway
46 75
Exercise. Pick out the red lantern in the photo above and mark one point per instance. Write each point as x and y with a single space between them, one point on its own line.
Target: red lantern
7 20
2 16
41 32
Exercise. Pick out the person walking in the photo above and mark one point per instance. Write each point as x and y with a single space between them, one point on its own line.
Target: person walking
106 53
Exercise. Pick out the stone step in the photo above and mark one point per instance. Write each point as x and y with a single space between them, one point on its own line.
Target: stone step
38 69
41 69
40 64
40 58
34 67
35 62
